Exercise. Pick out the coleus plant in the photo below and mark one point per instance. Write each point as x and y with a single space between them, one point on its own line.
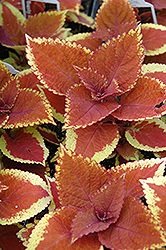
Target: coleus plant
21 107
94 206
83 77
108 93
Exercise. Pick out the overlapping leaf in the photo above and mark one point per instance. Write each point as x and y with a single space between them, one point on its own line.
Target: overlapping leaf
140 103
96 142
53 231
37 7
138 170
53 60
82 111
5 39
155 70
8 94
26 196
136 228
48 135
38 169
148 135
27 79
78 178
24 145
128 152
30 108
86 40
120 59
81 18
105 209
12 24
114 12
56 101
154 190
154 39
46 24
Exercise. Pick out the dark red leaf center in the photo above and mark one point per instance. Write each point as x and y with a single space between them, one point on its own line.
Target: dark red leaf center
102 215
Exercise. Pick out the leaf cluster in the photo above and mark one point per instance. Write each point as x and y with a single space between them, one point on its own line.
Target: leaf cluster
106 90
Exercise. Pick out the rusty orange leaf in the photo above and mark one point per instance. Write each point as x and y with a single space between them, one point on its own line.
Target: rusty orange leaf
53 60
26 196
140 102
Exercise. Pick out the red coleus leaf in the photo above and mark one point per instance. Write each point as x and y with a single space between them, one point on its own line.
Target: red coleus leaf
154 38
37 7
114 12
53 232
46 24
155 194
26 196
9 239
24 145
27 79
82 111
96 142
48 135
57 103
81 18
120 59
78 178
33 168
12 23
128 152
136 228
138 170
139 103
147 135
8 95
53 60
30 108
104 210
